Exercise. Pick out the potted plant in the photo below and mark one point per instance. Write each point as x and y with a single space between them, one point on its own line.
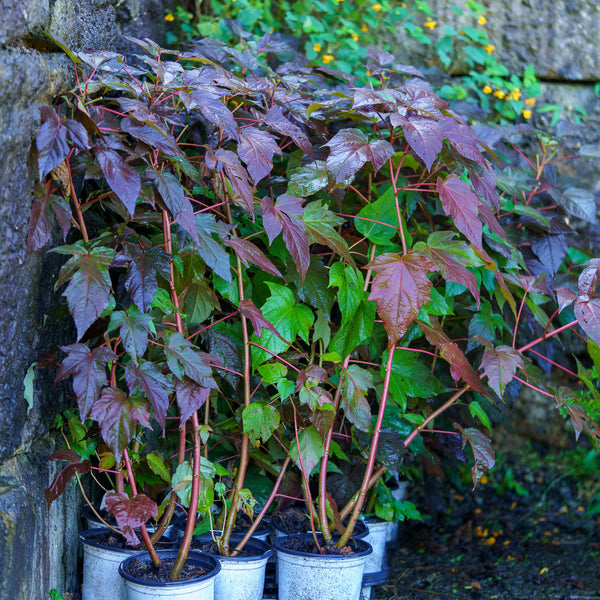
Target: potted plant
278 260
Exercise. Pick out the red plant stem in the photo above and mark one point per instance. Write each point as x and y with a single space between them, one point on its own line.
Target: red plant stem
285 362
169 250
374 479
398 211
189 337
533 387
362 494
518 319
144 531
417 430
325 459
418 350
265 508
553 363
365 219
547 335
76 204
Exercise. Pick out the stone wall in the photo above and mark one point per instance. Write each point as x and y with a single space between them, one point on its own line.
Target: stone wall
38 546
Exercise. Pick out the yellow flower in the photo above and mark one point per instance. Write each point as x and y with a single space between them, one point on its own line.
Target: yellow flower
354 36
526 113
499 94
169 17
376 7
317 47
481 20
327 58
364 28
487 89
489 48
430 24
530 101
515 94
368 72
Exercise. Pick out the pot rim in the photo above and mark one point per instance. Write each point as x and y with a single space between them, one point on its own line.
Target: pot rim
204 560
87 537
363 548
266 551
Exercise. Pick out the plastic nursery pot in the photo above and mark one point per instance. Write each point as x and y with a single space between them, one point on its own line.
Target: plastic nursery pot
279 529
372 579
376 536
241 577
303 576
398 493
193 588
101 562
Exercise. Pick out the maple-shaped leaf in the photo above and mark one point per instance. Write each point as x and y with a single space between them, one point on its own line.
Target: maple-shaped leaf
400 288
461 203
588 279
284 216
51 142
185 218
88 291
190 397
483 453
500 365
144 264
256 149
276 118
184 358
321 226
237 176
355 382
89 374
550 249
425 137
148 378
350 149
565 297
130 513
309 179
484 183
134 328
62 478
315 397
487 217
248 252
252 312
118 414
123 179
260 421
462 139
587 313
46 208
306 450
212 251
169 188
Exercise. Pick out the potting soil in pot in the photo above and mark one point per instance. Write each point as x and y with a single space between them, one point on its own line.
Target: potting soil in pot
148 572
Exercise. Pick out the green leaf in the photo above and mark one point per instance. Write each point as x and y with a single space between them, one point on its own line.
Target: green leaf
314 290
321 225
157 465
200 300
350 283
354 331
378 221
260 421
308 179
355 383
134 328
476 410
411 378
289 317
184 359
272 372
311 448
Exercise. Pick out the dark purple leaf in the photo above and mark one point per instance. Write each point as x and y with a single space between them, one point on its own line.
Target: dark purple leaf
484 183
130 513
587 313
275 117
185 218
578 202
184 359
400 288
461 203
350 149
483 453
148 378
282 217
550 249
580 419
169 188
487 216
500 365
250 311
154 135
213 110
51 142
256 149
238 177
381 57
425 137
248 252
62 478
88 370
123 180
88 292
118 414
588 279
41 220
190 397
462 139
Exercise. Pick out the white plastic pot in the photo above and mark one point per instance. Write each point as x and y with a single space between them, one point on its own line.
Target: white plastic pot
195 588
376 537
304 576
243 577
